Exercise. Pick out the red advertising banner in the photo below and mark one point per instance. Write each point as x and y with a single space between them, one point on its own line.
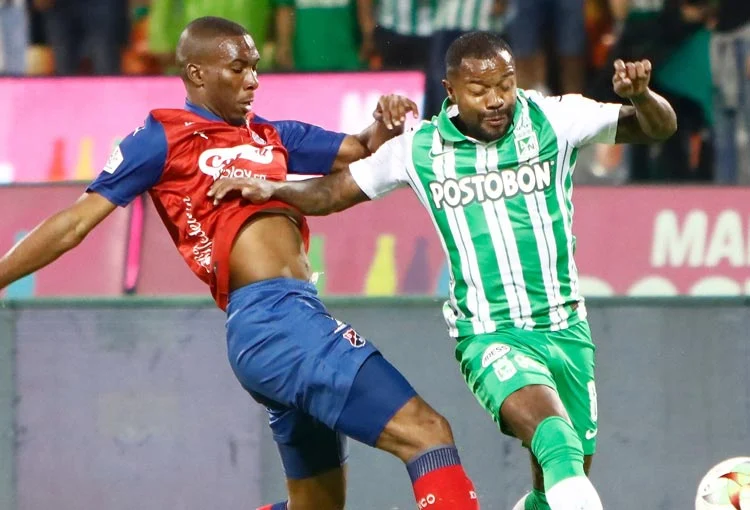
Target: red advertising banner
631 241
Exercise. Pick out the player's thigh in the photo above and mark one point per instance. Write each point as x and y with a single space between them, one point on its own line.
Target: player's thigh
383 410
313 457
574 372
284 345
506 363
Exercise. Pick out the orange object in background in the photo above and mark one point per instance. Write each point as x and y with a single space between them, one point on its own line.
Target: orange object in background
599 31
136 58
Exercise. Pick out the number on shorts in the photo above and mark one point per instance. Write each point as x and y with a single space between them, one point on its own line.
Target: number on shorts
592 401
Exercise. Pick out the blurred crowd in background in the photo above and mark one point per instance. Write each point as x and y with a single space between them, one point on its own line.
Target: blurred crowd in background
700 50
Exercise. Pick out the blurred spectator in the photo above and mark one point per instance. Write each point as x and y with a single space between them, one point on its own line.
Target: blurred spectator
534 20
77 29
14 37
167 19
730 63
671 34
317 35
452 19
399 29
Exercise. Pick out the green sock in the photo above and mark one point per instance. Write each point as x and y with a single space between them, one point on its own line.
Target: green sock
536 500
558 450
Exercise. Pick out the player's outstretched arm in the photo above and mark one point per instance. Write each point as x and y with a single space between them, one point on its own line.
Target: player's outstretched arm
363 180
53 237
650 118
313 197
390 119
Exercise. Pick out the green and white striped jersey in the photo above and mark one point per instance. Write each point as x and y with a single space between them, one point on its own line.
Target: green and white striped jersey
406 17
468 15
502 210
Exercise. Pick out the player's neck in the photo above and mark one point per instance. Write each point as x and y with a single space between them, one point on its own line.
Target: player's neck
203 105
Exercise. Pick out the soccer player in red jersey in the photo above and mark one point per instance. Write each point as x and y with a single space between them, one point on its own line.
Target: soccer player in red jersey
318 378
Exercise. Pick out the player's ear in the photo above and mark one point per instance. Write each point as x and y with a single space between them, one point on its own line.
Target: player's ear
194 73
450 91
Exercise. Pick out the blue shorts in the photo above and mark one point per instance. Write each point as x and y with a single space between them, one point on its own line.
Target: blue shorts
565 17
317 377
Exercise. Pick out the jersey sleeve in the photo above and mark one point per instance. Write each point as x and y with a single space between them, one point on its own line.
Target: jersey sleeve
383 171
312 149
134 166
580 120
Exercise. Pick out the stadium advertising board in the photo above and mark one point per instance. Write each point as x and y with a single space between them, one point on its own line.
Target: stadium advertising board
652 241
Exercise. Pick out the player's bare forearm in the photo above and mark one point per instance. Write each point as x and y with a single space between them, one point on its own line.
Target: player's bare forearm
53 237
356 147
650 119
390 119
376 134
320 196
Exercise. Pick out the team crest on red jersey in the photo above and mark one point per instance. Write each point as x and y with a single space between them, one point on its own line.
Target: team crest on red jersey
354 338
257 138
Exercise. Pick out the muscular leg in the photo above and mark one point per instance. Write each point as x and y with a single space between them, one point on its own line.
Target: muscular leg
326 491
323 382
536 415
414 428
403 424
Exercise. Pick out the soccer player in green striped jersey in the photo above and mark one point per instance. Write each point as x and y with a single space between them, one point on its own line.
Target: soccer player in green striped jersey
494 170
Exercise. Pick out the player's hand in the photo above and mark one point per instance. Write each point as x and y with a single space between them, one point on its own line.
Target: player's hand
631 79
392 110
257 191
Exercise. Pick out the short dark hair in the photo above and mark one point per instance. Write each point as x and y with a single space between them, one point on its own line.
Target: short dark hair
213 26
474 45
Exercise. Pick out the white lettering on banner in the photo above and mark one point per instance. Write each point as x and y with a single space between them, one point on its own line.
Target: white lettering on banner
695 243
203 245
221 163
674 246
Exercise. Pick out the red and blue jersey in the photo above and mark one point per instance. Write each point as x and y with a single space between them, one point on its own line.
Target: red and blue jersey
178 154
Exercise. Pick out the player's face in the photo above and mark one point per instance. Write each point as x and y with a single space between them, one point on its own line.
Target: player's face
485 92
232 78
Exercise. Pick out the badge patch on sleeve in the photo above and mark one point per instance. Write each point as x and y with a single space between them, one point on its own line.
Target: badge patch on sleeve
114 161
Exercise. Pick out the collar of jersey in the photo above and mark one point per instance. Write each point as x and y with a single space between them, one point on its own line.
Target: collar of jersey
202 112
450 133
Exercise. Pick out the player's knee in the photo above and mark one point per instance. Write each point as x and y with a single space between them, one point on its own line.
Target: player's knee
431 429
414 428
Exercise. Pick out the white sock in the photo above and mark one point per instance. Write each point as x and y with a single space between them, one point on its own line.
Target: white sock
521 502
575 493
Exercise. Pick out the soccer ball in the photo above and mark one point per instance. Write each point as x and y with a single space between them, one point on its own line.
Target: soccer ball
726 486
